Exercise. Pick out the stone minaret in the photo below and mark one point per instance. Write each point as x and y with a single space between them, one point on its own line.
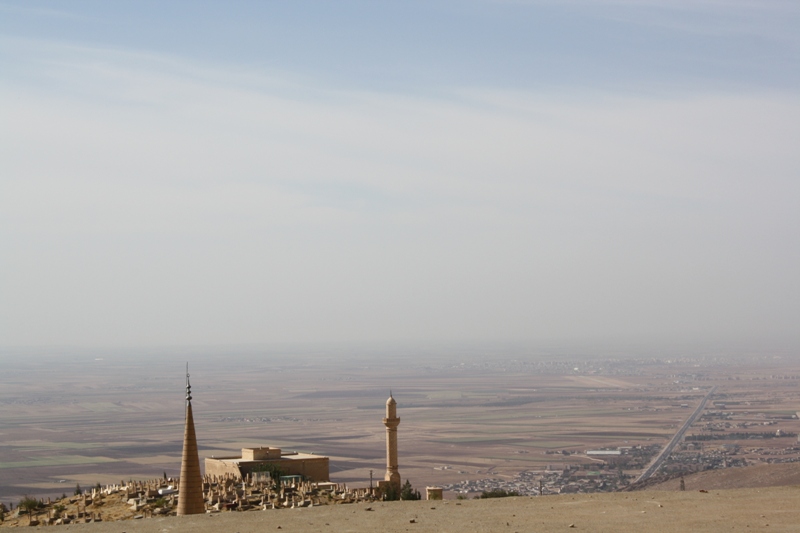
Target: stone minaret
190 489
391 422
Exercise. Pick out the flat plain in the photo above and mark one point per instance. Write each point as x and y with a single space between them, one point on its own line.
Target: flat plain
78 418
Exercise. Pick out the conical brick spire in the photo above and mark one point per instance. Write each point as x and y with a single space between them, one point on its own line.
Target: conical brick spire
190 490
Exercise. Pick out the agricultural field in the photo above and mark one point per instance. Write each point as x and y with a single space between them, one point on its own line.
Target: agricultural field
68 419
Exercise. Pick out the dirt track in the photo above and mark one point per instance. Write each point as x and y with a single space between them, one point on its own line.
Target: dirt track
771 509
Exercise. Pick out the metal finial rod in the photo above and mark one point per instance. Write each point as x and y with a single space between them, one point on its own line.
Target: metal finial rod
188 386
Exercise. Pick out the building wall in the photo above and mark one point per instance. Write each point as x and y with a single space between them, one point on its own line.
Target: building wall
220 467
314 468
260 454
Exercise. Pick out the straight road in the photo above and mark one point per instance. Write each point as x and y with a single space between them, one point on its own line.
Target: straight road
675 438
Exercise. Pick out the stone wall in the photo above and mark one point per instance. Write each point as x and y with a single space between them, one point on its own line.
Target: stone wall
222 467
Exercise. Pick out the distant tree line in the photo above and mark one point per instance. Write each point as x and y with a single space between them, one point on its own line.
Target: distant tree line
498 493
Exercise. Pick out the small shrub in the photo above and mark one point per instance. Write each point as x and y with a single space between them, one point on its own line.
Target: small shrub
78 489
274 472
390 493
29 505
161 502
408 492
498 493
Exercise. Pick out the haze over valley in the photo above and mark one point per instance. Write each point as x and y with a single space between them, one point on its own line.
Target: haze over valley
564 236
472 419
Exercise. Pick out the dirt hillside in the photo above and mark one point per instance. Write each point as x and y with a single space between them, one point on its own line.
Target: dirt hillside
771 509
775 475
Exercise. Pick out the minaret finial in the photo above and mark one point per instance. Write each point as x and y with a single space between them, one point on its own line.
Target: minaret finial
188 386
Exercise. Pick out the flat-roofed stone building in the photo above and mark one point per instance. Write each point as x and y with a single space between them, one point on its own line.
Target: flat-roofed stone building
312 467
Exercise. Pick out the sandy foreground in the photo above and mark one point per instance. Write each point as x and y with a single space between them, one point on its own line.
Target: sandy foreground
769 509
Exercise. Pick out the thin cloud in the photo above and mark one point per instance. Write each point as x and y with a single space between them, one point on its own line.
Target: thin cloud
689 5
30 11
148 202
768 19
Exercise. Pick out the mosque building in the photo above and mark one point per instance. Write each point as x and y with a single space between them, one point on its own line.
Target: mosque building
311 467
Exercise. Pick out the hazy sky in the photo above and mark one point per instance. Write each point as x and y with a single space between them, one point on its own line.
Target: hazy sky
479 170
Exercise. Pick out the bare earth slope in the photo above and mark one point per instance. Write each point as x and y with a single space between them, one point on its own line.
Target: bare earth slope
772 509
774 475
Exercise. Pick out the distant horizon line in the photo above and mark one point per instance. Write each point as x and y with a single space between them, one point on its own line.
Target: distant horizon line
596 346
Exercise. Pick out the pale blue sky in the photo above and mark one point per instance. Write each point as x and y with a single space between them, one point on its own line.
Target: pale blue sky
191 173
429 44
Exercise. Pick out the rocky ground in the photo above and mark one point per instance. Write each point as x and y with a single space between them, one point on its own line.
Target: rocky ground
771 509
713 501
